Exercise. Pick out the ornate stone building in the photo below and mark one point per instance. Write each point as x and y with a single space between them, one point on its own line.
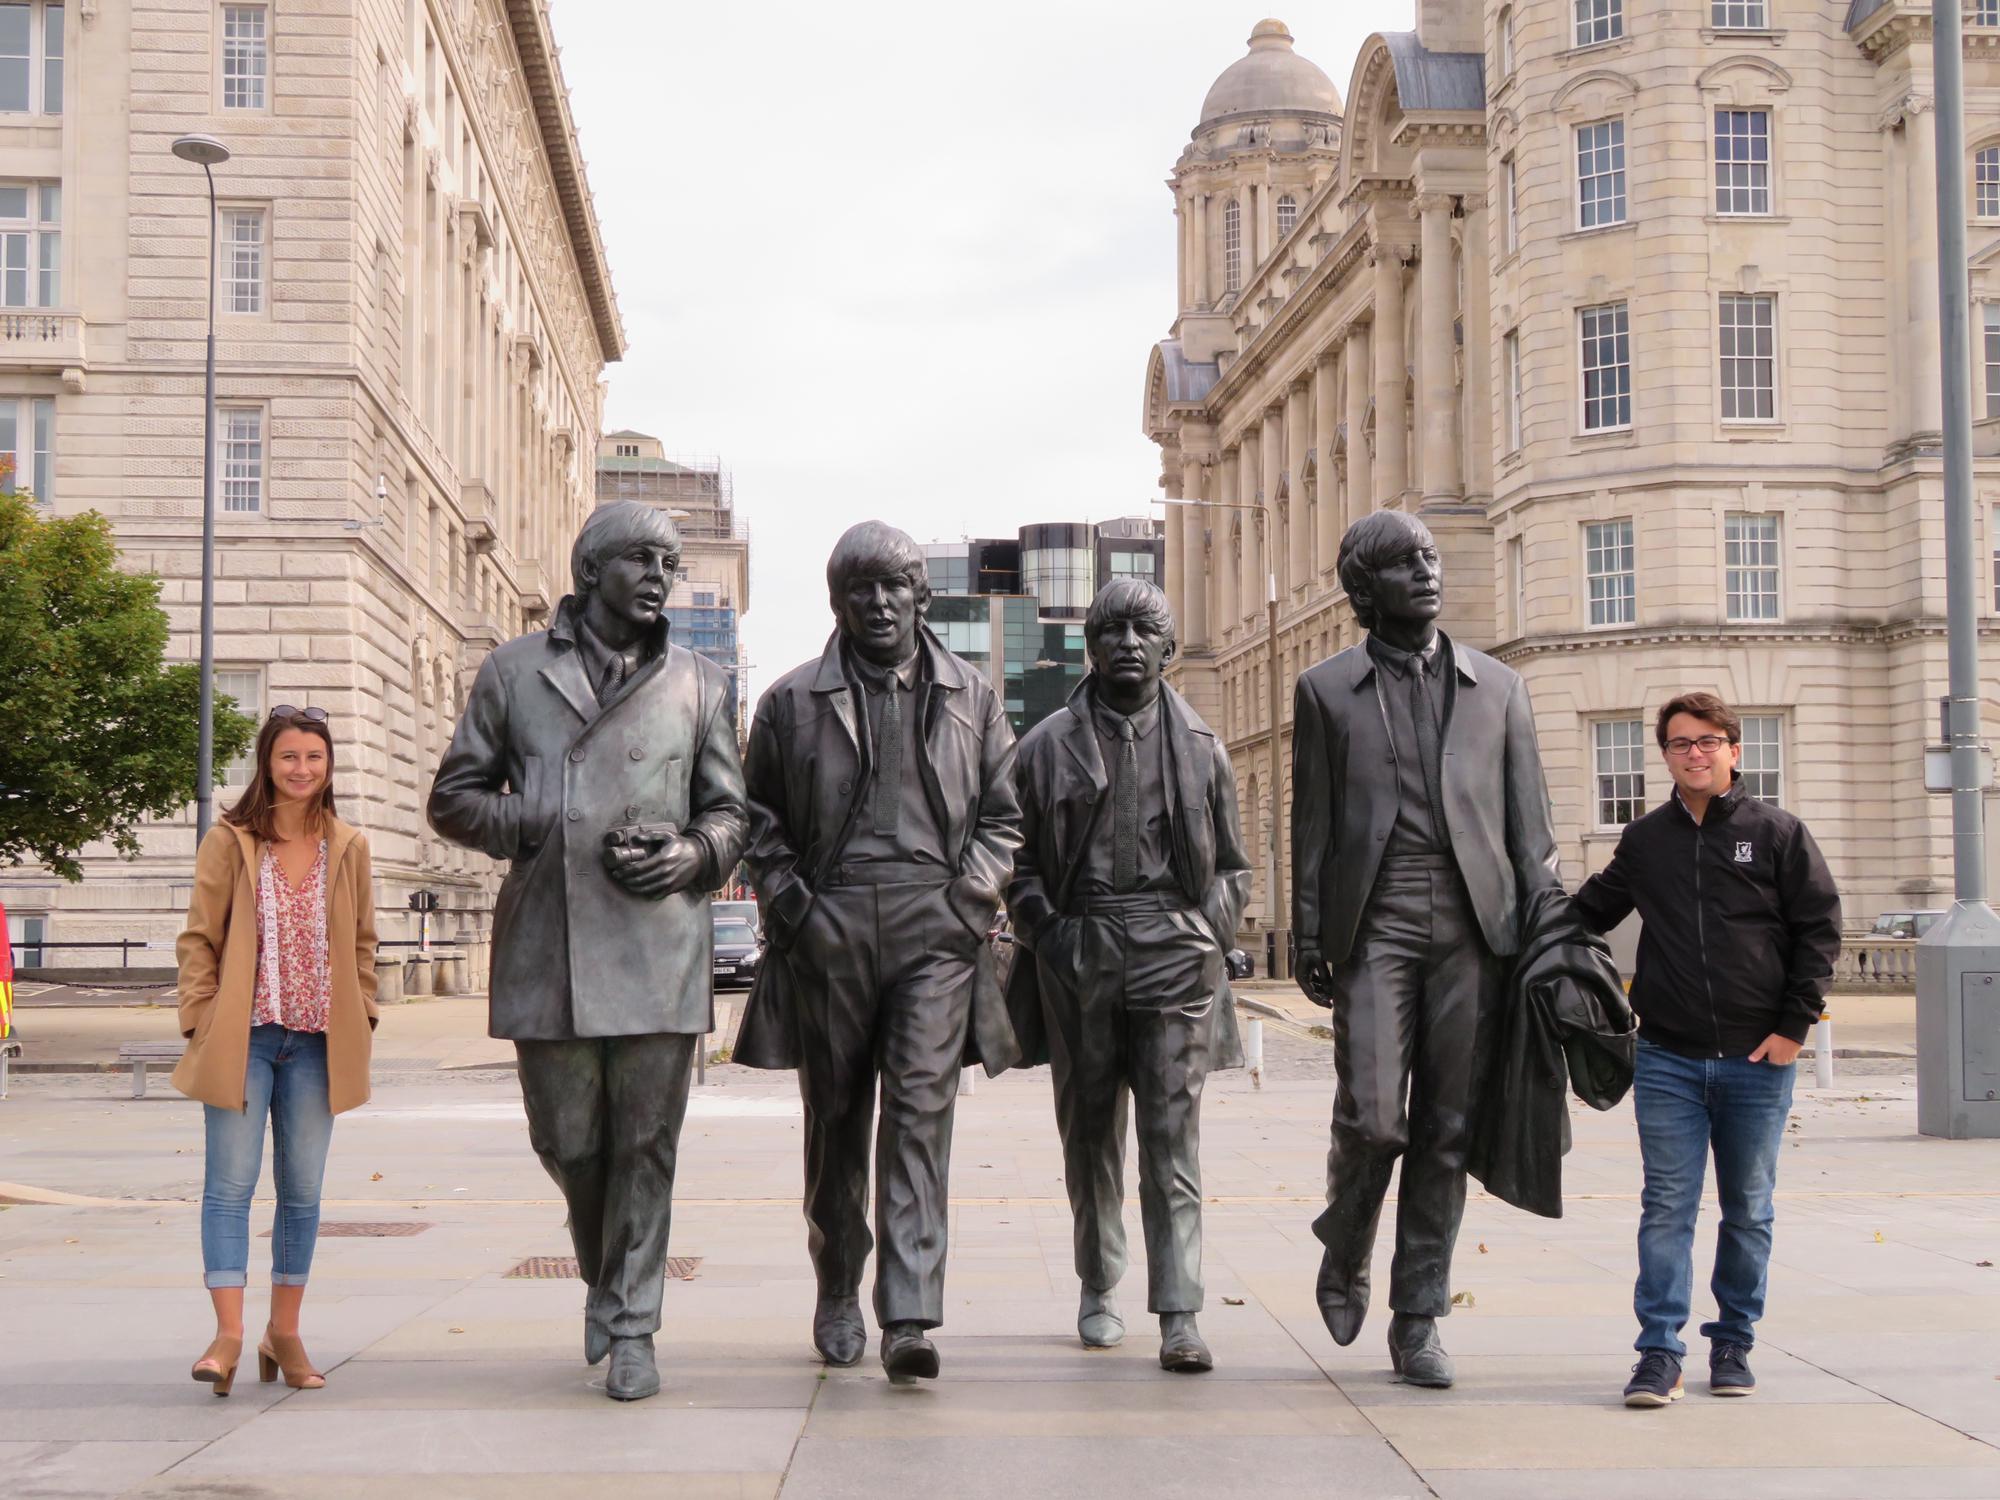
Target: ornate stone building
1636 306
414 317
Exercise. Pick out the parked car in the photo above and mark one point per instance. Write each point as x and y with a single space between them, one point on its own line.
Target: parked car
737 950
1904 924
738 911
1241 965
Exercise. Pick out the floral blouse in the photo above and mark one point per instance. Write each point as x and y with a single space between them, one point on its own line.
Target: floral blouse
294 979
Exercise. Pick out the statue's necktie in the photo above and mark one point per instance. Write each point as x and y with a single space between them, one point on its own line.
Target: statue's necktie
614 678
1125 812
1427 748
889 762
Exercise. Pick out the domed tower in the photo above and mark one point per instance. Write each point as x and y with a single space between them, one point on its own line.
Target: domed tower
1268 138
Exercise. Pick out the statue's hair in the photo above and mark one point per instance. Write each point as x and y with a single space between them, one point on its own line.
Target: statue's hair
1374 542
875 549
1132 599
610 529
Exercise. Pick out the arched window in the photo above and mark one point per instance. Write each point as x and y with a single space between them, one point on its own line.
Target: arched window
1288 215
1986 182
1232 246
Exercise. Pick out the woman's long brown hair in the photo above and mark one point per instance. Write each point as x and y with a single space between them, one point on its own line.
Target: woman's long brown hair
256 810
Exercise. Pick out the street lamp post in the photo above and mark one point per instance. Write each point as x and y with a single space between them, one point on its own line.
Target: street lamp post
1275 884
207 153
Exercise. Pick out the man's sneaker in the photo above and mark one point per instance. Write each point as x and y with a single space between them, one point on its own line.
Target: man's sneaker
1656 1380
1729 1370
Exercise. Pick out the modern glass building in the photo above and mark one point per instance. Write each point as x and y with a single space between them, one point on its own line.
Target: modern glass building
1014 607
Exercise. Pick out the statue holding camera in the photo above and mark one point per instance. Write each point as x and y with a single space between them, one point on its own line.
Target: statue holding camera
599 760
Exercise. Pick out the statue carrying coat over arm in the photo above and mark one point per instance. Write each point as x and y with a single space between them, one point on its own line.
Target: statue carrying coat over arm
599 760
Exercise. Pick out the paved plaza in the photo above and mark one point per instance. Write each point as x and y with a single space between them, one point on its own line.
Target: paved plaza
1879 1364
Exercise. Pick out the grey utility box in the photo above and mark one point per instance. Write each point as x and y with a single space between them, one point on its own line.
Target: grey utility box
1958 1024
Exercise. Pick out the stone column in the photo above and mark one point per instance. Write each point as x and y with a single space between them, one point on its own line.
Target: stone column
1228 571
1392 475
1201 297
1926 358
1481 349
1326 490
1298 521
1183 225
1193 522
1359 372
1252 216
1443 477
1273 450
1175 583
1249 477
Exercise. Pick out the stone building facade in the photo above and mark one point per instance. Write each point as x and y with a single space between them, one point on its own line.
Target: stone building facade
712 594
1636 306
414 314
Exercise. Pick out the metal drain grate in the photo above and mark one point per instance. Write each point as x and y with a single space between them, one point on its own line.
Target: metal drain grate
563 1268
361 1229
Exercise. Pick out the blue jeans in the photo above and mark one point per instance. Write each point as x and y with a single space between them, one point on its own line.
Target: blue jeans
1686 1107
286 1080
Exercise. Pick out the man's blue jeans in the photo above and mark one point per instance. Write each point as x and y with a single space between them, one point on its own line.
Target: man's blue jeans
285 1080
1686 1107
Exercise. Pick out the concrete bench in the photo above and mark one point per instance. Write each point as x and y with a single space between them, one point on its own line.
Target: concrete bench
142 1054
8 1050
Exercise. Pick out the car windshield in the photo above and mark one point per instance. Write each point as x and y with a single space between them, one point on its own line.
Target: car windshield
734 932
1890 922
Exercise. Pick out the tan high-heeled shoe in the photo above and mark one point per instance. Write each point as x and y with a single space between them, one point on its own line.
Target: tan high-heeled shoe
218 1366
287 1352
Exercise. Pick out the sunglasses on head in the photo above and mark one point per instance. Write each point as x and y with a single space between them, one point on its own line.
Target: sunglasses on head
287 711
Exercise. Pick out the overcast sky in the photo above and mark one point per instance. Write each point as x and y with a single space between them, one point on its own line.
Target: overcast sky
899 260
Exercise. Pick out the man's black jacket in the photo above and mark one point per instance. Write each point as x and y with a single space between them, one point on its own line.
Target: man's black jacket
1742 924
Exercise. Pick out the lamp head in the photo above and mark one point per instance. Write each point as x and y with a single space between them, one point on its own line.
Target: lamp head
202 150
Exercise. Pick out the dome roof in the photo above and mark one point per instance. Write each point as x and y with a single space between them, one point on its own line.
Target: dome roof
1272 76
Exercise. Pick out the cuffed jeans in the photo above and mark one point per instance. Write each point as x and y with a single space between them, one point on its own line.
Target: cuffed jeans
1688 1106
285 1080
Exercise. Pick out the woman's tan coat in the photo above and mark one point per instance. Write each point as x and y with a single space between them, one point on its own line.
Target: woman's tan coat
218 967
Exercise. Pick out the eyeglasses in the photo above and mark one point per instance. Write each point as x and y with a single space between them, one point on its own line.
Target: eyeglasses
1708 744
287 711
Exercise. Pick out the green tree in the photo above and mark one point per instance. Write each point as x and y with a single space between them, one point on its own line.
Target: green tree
97 732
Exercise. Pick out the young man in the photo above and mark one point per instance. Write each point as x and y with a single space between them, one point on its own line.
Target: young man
882 830
1742 925
598 759
1127 889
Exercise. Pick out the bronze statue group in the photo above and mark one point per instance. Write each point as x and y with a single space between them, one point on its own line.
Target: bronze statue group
886 815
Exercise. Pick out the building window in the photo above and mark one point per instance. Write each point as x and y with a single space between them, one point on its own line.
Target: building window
1607 368
1510 197
246 56
1746 333
242 458
1986 180
1619 749
1608 569
1133 565
1507 41
1741 15
1993 532
244 688
1599 21
1232 246
243 259
628 450
1511 348
1742 161
1983 13
1288 215
30 244
1600 174
1992 339
1750 566
31 58
1517 587
1763 762
27 444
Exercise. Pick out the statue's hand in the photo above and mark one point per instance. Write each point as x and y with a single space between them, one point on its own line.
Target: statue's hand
655 872
1313 976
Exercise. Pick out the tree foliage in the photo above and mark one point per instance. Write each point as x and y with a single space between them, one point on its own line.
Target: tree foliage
97 732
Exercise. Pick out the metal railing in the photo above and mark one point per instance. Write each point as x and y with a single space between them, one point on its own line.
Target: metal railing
38 946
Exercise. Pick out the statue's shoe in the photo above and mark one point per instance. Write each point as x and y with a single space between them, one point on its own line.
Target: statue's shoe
1098 1322
838 1332
1417 1354
634 1376
1181 1348
907 1355
1343 1300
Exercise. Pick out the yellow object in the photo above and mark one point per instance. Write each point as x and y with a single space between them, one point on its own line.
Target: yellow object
6 1009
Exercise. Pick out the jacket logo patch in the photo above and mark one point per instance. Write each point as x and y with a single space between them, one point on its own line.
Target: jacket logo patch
1743 853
